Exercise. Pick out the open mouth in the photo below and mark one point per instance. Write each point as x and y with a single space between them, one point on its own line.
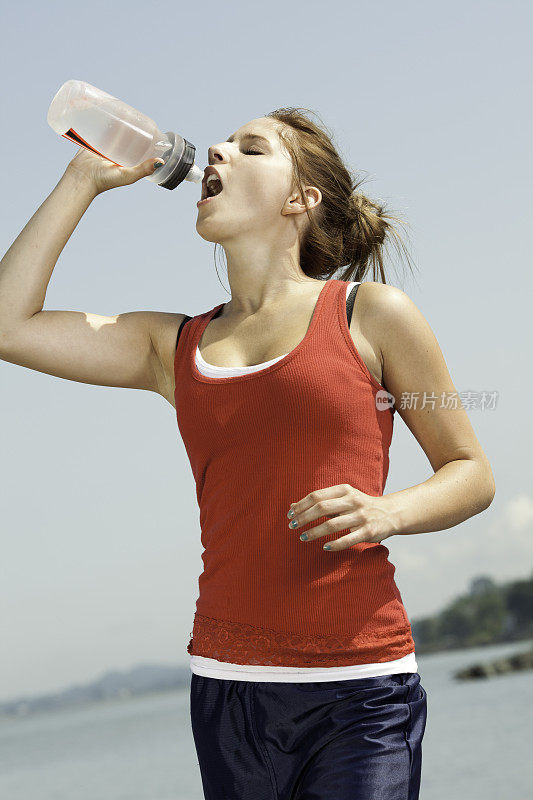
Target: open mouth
212 187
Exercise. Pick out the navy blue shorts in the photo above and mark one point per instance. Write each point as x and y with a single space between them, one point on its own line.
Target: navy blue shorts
355 739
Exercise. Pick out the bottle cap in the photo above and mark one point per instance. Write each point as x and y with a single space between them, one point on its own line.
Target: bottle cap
179 162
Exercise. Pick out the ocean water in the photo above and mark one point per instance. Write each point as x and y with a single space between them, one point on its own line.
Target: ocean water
477 744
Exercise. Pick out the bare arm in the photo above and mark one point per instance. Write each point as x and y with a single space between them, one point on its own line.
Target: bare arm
463 484
112 351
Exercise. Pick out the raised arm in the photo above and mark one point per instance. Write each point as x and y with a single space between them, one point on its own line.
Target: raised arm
120 350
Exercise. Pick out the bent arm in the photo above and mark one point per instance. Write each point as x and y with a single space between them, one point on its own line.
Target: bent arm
111 351
89 348
463 484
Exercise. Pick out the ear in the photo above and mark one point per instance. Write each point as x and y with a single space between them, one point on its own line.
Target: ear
295 205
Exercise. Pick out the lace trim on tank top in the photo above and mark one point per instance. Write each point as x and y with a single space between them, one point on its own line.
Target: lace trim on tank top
240 643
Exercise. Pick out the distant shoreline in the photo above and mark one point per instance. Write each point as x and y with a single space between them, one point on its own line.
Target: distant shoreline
487 615
147 680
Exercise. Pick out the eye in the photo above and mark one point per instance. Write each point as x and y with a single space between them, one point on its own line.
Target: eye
253 152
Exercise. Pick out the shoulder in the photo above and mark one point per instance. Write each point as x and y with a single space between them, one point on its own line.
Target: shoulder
411 358
374 296
388 315
163 326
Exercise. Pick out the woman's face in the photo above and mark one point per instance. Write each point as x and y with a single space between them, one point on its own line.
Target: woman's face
256 173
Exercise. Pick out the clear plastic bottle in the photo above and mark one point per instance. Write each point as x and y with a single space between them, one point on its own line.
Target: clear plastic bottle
114 130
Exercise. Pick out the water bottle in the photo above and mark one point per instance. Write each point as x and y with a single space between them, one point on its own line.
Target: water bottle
94 119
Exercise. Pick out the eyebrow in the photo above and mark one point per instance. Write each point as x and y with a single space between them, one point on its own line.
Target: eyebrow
250 136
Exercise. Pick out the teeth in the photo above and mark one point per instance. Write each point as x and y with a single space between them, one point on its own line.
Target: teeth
213 185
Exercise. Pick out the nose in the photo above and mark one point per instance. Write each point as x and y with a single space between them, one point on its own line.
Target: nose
216 153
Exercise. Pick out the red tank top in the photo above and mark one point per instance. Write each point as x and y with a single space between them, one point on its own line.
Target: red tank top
258 442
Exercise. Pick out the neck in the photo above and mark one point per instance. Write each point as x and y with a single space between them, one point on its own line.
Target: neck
263 279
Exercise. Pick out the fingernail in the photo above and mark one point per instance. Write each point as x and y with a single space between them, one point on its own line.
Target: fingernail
158 164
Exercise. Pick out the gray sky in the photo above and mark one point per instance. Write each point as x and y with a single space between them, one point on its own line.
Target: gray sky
101 547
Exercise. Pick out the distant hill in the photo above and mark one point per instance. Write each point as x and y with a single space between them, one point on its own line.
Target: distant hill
139 680
488 614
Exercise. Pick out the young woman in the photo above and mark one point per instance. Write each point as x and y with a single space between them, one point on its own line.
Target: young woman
304 680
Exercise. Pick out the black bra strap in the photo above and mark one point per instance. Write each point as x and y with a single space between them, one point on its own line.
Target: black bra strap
185 319
349 309
350 301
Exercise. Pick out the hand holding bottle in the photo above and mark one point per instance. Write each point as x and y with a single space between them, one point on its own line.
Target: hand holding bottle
102 174
114 133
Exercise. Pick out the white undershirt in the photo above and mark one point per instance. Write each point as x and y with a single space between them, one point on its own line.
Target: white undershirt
212 668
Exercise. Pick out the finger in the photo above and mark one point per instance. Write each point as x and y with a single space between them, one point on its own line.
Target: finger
145 168
314 497
334 526
358 534
322 502
324 508
345 542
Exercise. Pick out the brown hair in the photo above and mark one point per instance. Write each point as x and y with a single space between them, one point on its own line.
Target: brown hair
346 228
